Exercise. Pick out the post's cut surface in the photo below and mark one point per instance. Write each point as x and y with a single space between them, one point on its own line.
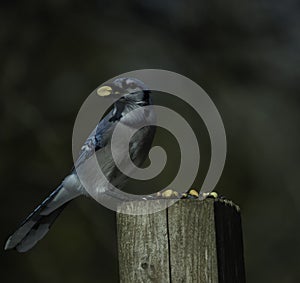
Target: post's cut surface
191 241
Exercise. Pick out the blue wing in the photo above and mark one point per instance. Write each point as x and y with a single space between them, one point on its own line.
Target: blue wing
100 135
97 140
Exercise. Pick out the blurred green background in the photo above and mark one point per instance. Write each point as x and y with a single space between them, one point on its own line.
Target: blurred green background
245 54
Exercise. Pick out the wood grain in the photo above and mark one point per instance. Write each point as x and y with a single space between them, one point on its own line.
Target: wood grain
191 241
143 245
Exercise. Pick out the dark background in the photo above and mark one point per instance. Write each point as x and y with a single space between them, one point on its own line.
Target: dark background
245 54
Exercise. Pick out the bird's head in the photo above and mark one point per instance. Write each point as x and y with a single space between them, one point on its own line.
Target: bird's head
129 90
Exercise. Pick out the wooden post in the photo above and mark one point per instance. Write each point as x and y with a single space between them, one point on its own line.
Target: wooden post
191 241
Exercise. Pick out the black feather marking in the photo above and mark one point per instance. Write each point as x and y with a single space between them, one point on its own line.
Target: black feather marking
39 230
42 205
118 110
32 222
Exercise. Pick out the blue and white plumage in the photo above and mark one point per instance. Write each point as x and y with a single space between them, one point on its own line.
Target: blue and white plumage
132 94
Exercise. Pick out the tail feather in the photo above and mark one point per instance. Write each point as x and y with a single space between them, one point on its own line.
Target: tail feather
38 223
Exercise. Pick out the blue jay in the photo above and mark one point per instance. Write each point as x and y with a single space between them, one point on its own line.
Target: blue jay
131 94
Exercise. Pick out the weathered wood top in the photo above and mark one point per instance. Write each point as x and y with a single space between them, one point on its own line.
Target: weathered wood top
191 241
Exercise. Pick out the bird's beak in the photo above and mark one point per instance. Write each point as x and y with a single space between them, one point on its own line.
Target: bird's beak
104 90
